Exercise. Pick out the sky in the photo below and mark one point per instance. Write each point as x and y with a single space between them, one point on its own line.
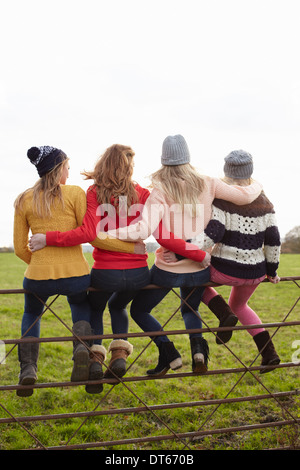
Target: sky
82 76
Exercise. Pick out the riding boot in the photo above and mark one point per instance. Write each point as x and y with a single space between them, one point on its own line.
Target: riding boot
28 356
81 358
267 350
225 315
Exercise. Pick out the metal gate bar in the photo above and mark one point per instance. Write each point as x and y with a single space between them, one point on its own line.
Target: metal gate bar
141 409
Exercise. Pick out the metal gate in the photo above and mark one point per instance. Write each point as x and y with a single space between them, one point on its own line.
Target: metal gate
184 440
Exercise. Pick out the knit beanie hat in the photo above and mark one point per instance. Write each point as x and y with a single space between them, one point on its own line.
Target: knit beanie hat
175 151
238 165
45 158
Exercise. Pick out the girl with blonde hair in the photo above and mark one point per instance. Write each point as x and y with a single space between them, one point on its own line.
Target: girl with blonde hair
180 207
246 249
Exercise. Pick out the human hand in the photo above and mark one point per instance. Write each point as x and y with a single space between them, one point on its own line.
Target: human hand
37 242
140 248
169 256
274 279
206 262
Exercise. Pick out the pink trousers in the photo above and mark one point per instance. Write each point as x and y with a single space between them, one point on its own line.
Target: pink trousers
241 291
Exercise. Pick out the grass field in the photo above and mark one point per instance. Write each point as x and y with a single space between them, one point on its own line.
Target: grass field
272 302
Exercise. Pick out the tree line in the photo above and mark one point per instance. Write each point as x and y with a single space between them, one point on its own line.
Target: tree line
291 242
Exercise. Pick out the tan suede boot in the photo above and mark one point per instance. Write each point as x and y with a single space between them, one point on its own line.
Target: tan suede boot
120 350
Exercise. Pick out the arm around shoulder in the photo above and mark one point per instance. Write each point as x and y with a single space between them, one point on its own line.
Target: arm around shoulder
85 215
240 195
103 242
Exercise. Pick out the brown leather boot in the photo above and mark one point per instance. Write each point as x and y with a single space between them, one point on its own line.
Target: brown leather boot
120 350
226 316
28 356
80 358
267 350
97 357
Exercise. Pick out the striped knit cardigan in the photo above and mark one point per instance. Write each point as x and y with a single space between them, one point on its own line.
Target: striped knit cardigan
246 239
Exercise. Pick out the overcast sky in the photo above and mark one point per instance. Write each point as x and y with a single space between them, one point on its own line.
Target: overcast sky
82 75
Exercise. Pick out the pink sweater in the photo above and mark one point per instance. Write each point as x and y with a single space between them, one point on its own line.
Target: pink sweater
157 209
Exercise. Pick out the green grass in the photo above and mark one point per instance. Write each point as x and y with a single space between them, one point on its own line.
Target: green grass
55 364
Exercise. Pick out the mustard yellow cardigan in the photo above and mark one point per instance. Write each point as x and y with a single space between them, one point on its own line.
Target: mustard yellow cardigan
57 262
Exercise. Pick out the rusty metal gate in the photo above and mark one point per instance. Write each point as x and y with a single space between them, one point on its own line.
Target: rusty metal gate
184 440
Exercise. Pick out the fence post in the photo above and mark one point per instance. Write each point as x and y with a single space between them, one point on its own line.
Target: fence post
2 353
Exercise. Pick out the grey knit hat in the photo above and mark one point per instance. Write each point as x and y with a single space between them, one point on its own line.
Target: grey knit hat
175 151
238 165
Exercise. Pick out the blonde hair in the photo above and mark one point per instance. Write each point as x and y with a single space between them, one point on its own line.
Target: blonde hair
169 180
112 176
237 182
46 191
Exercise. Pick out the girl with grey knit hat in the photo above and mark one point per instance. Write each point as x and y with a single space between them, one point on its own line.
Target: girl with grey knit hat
180 198
246 243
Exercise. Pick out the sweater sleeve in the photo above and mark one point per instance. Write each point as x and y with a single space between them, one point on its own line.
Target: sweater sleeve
177 245
86 216
21 231
152 214
239 195
214 232
112 244
272 245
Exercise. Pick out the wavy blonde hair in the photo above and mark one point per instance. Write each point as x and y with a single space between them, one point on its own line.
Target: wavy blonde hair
112 176
181 184
46 191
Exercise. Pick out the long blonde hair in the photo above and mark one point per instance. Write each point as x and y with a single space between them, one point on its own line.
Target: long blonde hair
181 184
46 191
112 176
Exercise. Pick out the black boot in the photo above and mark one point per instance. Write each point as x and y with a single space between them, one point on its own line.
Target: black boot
226 316
81 357
28 356
200 352
267 350
169 358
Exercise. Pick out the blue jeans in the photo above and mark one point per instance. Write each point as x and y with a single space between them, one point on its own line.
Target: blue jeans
75 288
118 288
146 300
